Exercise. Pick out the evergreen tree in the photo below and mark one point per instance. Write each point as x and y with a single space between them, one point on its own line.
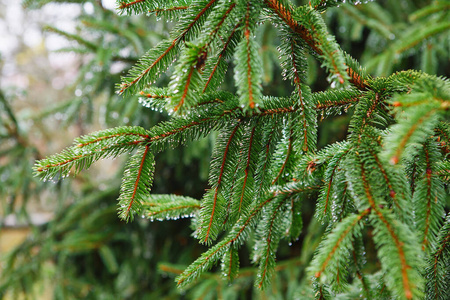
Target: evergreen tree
385 184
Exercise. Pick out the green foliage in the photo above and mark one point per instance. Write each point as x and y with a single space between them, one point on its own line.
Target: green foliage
136 182
385 185
18 154
170 207
403 35
88 149
437 268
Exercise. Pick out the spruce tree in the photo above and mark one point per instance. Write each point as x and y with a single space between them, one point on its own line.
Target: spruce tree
385 184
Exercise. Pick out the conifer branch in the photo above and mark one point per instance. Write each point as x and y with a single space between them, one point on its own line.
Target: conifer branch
295 63
247 168
136 183
136 6
288 153
159 57
167 11
185 89
248 70
392 193
429 196
213 208
249 67
124 5
269 138
285 14
221 55
158 7
219 24
408 285
154 98
162 55
238 234
358 260
272 229
323 203
74 37
437 270
332 248
185 85
230 264
356 77
339 103
333 59
213 254
417 34
159 207
443 130
88 149
416 128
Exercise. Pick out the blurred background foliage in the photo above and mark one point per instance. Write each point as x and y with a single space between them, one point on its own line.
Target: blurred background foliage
63 87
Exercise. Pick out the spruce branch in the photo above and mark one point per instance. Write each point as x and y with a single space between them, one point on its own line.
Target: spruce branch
217 67
333 101
429 10
136 183
240 232
248 71
369 112
150 66
270 230
185 86
237 236
414 126
170 10
359 259
417 34
283 157
442 131
378 25
135 6
158 59
296 222
230 264
437 269
154 98
331 54
244 185
269 137
285 13
397 249
89 45
214 204
331 188
114 142
193 19
429 196
169 207
397 186
88 149
334 249
294 65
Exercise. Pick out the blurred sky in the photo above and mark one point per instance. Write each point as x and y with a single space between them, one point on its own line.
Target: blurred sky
22 38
